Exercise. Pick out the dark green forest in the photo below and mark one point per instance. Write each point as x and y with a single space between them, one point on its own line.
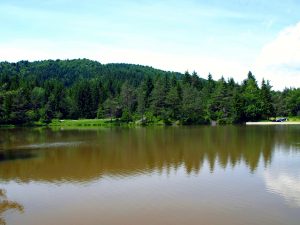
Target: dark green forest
81 88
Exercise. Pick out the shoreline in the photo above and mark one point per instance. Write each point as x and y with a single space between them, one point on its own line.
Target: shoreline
81 123
273 123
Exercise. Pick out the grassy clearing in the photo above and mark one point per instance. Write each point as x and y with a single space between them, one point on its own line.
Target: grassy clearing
83 123
294 119
290 118
102 123
89 123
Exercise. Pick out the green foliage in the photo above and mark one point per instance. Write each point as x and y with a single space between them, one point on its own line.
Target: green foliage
251 97
293 102
192 108
266 100
173 103
126 116
100 113
220 105
72 89
128 97
158 98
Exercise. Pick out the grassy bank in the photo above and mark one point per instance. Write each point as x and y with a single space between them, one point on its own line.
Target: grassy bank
82 122
117 122
99 123
289 119
294 119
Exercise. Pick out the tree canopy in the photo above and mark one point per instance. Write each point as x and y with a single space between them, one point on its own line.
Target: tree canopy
81 88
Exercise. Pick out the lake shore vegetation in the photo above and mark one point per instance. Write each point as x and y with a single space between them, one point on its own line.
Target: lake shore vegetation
82 92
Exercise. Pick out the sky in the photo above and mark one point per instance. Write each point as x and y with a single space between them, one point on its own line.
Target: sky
224 38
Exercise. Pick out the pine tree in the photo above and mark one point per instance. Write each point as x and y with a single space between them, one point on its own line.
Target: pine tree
158 98
127 97
266 100
252 101
219 108
192 111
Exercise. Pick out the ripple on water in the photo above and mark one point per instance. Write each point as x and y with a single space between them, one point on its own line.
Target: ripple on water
50 145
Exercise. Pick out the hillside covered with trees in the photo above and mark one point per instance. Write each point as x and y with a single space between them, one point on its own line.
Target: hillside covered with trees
81 88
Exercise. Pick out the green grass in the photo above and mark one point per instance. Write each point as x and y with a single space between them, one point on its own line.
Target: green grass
290 118
97 123
89 123
7 126
83 123
294 118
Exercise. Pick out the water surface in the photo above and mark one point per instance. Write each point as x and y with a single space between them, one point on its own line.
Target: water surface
178 175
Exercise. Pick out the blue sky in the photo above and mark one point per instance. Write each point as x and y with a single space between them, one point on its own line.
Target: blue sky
222 37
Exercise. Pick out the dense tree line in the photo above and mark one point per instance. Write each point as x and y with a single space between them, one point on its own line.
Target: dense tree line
74 89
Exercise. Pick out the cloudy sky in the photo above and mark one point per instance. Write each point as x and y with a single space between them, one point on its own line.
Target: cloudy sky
226 38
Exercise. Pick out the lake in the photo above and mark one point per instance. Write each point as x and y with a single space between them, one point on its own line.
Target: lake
223 175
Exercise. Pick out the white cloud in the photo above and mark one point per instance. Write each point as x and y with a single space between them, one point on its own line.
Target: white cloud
279 60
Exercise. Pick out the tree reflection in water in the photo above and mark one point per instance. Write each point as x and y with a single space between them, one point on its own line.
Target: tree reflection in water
6 205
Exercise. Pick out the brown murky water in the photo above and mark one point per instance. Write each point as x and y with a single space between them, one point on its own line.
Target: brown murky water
186 175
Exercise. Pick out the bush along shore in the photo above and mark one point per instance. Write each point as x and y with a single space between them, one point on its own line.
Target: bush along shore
61 92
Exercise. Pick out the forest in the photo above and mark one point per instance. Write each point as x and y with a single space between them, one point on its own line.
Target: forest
84 89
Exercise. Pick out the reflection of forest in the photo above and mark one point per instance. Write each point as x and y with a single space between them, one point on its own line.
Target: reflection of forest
129 151
6 205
